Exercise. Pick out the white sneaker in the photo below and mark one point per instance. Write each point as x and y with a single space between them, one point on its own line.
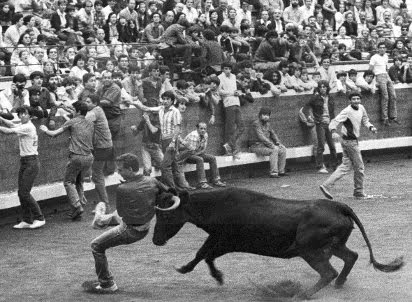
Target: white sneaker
22 225
38 224
101 220
323 170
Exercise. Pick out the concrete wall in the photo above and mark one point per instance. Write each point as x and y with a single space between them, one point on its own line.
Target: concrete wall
53 151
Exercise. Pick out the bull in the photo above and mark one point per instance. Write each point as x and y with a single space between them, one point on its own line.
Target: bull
241 220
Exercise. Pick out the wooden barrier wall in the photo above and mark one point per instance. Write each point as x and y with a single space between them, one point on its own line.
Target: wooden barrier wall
53 151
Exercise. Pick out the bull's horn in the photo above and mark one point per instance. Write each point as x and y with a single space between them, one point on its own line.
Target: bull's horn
176 203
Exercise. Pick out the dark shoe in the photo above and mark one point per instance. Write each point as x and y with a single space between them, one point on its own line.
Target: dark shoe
219 183
274 175
362 196
236 155
325 192
76 213
96 288
283 174
395 121
386 122
205 186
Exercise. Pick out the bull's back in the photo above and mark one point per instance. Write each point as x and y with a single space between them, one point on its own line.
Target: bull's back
258 223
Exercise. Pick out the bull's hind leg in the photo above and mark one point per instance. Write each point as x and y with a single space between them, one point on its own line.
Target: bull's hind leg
200 255
349 257
319 261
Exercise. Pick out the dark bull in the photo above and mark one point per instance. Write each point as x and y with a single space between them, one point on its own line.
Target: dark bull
240 220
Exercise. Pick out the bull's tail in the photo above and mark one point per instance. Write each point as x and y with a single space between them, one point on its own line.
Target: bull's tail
393 266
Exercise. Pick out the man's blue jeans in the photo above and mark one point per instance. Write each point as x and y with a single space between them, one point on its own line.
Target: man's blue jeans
352 158
29 168
120 235
76 168
324 135
388 96
151 153
200 160
234 126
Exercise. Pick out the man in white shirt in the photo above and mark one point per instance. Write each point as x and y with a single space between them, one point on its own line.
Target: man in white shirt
379 65
244 13
307 10
233 117
29 167
15 96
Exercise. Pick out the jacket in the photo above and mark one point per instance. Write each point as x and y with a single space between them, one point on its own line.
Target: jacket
316 104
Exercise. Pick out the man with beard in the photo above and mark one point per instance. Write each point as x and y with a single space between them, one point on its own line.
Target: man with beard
110 97
46 100
264 141
292 14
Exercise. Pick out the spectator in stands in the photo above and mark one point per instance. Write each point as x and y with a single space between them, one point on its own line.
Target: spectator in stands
13 32
370 13
351 86
32 216
16 96
6 16
350 25
271 51
150 148
175 44
395 71
264 142
406 70
80 159
86 18
89 83
212 53
364 44
196 142
233 118
102 49
399 49
110 29
190 11
102 144
154 30
341 82
79 68
326 73
367 82
99 16
110 99
149 91
168 19
379 65
292 14
46 100
381 9
262 25
273 78
323 109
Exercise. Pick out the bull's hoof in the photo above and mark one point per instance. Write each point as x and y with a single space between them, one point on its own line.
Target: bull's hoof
219 277
184 269
339 282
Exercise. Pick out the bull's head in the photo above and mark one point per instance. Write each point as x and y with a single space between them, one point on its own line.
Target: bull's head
170 216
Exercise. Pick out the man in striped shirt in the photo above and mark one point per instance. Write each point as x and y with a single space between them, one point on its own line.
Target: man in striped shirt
196 141
351 118
170 120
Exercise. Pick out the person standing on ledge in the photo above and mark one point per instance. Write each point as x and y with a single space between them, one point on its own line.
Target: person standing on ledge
29 167
351 118
80 158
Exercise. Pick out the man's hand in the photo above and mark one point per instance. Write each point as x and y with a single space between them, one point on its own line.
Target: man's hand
43 128
335 136
212 120
146 117
373 130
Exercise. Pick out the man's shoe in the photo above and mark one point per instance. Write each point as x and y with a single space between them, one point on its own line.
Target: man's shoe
362 196
274 175
323 170
236 154
38 224
22 225
219 183
228 149
395 121
325 192
100 220
76 213
205 186
95 288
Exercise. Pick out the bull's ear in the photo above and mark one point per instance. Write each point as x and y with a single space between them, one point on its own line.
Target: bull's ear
184 196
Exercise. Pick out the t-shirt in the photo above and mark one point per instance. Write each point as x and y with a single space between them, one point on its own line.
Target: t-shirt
379 63
102 137
28 140
81 135
228 85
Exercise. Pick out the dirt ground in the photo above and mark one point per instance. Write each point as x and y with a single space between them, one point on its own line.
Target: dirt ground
51 263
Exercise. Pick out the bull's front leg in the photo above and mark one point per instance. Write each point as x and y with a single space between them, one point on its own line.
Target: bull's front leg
200 255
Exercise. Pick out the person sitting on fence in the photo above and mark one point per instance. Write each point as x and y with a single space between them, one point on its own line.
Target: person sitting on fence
367 82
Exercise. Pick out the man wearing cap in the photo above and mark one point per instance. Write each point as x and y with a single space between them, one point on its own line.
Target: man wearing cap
45 100
264 142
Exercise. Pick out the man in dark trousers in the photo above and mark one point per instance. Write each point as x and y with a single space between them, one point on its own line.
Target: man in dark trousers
135 203
80 159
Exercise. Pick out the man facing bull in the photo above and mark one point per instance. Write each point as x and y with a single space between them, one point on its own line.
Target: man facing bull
135 203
